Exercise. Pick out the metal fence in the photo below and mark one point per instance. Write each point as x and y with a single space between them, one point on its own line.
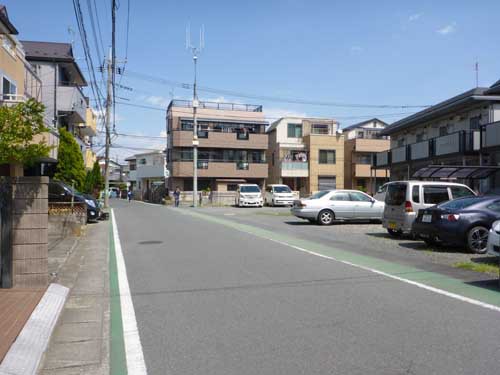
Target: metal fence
78 209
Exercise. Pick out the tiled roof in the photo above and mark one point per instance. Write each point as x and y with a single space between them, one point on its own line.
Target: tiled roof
48 51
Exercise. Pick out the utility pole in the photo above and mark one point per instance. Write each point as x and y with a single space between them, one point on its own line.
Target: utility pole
196 51
109 99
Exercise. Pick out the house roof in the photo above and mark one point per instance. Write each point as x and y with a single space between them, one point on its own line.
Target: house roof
494 88
455 103
360 124
52 52
4 18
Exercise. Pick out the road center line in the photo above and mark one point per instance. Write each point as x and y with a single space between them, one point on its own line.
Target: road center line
243 228
133 348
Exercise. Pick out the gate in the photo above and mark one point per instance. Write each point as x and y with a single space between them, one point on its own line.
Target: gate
5 233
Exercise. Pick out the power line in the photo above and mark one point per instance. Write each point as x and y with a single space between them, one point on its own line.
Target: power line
188 86
188 112
100 51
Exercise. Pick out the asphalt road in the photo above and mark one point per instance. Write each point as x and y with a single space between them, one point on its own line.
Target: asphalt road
213 300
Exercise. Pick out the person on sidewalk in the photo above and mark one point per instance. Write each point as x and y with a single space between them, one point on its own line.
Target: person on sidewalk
129 195
177 196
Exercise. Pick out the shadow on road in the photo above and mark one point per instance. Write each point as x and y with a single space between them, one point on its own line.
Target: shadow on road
491 284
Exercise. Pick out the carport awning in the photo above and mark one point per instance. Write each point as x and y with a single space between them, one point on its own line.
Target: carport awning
456 171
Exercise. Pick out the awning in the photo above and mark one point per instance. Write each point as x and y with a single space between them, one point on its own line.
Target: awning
456 171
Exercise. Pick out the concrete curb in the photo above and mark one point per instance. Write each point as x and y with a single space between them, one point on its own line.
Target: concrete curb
25 354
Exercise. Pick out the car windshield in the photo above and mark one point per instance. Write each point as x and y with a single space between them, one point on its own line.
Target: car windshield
459 204
250 189
282 189
319 194
396 194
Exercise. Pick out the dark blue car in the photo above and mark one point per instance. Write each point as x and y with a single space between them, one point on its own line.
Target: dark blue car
463 221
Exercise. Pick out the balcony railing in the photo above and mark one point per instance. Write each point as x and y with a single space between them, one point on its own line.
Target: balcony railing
71 99
491 135
216 105
455 143
11 99
294 165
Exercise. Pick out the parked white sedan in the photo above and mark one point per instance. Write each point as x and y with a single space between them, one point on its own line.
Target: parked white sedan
494 239
327 206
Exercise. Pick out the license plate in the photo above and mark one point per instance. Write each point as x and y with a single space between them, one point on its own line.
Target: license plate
426 218
392 225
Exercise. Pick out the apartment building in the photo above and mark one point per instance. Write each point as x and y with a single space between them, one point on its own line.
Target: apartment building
62 91
362 142
19 81
232 145
461 131
306 154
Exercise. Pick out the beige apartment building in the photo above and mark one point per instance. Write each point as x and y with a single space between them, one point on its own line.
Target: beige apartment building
19 81
232 145
306 154
362 142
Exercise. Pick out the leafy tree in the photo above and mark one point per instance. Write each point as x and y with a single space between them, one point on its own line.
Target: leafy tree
70 166
19 124
94 181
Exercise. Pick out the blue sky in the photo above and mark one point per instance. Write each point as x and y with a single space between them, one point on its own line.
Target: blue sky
372 52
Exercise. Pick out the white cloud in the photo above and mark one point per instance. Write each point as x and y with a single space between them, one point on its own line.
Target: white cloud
272 114
356 49
414 17
163 133
159 101
448 29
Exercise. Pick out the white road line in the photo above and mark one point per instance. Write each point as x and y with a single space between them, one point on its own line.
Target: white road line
133 348
411 282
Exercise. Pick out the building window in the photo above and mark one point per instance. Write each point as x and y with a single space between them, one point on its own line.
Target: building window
9 89
232 187
420 137
327 182
326 156
320 129
401 142
474 122
202 164
294 130
443 130
242 165
361 134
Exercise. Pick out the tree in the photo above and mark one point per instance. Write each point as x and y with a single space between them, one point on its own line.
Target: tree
70 167
19 125
94 182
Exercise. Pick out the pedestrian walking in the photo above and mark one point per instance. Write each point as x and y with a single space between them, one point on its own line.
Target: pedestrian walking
129 195
177 196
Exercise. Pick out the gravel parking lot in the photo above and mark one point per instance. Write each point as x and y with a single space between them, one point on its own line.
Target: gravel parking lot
368 239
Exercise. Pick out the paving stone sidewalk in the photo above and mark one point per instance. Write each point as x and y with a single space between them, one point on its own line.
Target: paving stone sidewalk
80 342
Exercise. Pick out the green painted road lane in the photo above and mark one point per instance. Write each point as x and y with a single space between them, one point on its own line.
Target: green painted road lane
413 274
118 363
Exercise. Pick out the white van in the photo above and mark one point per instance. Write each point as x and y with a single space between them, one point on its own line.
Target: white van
403 199
249 195
278 195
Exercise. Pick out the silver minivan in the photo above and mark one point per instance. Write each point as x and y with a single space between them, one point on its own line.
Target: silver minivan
403 199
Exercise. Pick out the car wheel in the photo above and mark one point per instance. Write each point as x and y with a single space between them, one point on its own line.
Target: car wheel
477 239
394 233
326 217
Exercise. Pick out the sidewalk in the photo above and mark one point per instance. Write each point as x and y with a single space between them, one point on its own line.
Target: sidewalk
80 342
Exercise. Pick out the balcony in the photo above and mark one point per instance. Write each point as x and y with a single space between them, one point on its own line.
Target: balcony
365 170
420 150
11 99
220 169
89 127
371 145
491 135
70 100
150 171
294 169
382 159
399 154
254 141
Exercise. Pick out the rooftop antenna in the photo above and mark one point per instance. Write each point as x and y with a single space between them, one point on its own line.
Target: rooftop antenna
71 32
476 68
195 51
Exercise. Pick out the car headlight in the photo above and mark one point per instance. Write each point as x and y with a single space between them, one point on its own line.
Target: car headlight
496 226
90 203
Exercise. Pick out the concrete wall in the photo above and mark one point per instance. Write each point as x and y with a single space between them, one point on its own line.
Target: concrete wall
29 232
